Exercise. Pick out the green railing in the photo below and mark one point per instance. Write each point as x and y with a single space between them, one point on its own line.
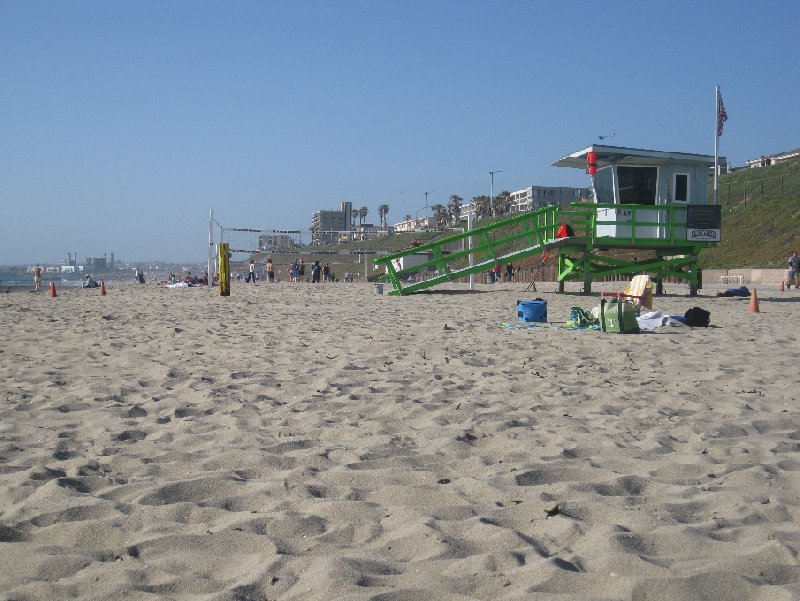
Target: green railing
635 225
448 259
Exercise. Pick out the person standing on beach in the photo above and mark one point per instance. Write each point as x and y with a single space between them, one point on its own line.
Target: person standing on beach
301 270
315 272
251 276
270 271
793 274
37 278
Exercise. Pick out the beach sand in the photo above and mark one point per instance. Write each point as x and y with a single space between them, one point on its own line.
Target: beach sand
320 442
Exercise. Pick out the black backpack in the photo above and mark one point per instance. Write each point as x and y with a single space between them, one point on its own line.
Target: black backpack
697 317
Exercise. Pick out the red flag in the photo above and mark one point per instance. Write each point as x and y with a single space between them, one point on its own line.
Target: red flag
722 115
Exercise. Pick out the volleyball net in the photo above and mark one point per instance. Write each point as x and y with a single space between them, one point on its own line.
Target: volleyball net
244 243
352 250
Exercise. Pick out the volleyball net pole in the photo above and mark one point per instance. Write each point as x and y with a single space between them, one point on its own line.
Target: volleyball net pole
211 252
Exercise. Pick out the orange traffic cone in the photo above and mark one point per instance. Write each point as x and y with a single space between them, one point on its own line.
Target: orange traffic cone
753 308
102 288
782 286
52 292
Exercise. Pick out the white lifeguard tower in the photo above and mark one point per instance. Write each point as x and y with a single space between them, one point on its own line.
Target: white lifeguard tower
647 199
648 178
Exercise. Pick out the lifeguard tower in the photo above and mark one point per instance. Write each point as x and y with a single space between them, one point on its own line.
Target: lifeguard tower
650 203
644 200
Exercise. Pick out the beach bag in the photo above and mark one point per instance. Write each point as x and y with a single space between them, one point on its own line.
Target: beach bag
697 317
580 318
618 317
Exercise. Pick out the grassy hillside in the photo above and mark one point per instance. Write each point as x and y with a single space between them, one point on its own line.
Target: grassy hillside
760 218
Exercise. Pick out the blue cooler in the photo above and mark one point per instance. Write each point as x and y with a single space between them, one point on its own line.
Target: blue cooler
532 310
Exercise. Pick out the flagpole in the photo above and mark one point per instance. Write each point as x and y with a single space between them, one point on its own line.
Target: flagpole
716 141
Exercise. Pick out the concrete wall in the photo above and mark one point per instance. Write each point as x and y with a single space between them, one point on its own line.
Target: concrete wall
750 276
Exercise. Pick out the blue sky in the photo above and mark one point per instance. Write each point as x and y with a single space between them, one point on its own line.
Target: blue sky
123 123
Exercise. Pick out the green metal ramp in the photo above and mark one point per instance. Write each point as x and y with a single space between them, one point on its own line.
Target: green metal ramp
588 255
522 235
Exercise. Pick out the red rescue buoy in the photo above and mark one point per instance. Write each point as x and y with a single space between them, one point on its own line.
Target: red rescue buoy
591 163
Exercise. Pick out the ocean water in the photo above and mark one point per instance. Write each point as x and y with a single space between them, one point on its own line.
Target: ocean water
26 282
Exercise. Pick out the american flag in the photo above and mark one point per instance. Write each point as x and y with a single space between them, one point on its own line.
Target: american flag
722 116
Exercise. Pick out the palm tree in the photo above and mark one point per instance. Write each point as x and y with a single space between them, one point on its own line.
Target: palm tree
482 206
502 203
440 214
382 212
454 207
362 214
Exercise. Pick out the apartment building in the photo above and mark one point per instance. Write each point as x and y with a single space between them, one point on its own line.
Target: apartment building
325 225
536 197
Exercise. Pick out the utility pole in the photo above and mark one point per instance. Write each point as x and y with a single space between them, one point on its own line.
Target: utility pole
491 189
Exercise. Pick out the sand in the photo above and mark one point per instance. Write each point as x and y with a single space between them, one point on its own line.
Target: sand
323 442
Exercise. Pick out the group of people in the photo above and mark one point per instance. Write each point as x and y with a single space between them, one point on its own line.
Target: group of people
319 273
295 271
187 280
88 280
497 274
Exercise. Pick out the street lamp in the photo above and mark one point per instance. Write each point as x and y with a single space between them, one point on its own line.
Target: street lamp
491 189
426 204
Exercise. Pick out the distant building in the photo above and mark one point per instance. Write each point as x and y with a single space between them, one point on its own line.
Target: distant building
774 159
70 260
326 225
99 263
536 197
368 231
410 225
276 242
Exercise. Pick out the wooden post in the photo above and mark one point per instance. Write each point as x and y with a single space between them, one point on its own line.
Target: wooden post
224 269
587 273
